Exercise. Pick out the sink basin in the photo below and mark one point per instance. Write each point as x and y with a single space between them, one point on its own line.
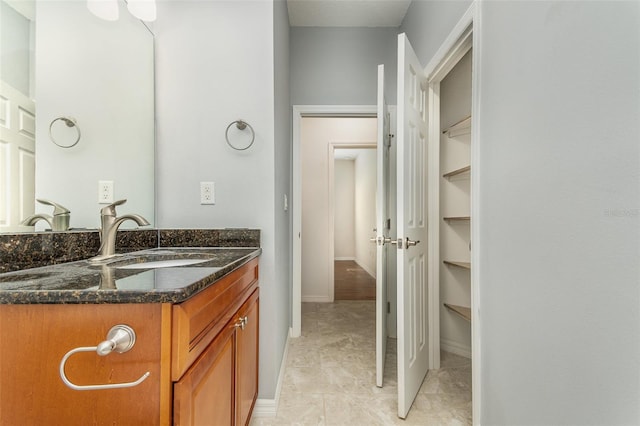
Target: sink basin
167 263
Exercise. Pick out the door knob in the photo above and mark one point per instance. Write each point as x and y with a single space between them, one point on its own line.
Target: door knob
410 243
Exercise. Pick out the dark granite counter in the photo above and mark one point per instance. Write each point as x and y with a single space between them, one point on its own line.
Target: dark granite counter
129 278
34 249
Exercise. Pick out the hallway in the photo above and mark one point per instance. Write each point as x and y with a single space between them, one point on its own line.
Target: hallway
330 376
352 282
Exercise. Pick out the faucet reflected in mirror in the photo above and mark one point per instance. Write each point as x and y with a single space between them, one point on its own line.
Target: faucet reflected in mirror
58 222
110 223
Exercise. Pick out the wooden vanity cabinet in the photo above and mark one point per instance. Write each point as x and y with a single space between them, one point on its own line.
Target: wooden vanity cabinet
215 352
220 387
203 368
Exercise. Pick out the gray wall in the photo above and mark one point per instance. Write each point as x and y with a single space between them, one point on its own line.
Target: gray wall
215 64
282 145
428 23
559 199
558 207
339 66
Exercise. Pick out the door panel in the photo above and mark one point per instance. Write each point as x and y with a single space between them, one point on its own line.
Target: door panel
204 395
382 235
413 338
247 360
17 158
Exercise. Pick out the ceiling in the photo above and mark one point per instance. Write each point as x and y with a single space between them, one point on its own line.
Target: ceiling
347 13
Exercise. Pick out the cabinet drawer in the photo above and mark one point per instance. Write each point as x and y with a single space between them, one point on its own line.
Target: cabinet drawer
197 321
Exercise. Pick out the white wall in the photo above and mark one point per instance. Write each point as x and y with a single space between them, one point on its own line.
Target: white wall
365 209
344 208
102 74
338 66
557 207
15 49
215 64
315 136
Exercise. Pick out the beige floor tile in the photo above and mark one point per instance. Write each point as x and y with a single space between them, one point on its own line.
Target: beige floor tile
329 376
448 359
356 410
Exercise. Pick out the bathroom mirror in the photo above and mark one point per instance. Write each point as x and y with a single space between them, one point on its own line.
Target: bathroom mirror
98 73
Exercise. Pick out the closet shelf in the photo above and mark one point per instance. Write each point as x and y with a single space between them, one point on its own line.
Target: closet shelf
463 311
457 172
464 265
456 218
462 127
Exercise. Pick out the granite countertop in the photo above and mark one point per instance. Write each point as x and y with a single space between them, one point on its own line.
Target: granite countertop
125 279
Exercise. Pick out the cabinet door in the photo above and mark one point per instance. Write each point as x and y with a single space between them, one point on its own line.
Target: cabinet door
33 340
204 395
247 360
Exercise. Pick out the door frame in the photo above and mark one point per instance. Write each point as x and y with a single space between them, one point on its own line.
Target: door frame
300 111
465 36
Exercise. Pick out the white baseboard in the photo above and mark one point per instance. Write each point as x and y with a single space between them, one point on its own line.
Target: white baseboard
455 348
265 408
344 258
317 299
269 407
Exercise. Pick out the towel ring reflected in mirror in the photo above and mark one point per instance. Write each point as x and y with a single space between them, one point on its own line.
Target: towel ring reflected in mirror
70 122
241 125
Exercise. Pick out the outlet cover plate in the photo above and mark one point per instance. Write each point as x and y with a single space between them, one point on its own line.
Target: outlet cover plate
105 192
207 193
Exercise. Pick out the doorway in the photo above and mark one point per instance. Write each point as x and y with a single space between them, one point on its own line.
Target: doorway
320 137
354 211
453 76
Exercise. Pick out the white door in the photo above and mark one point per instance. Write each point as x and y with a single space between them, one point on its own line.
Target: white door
413 336
17 158
382 233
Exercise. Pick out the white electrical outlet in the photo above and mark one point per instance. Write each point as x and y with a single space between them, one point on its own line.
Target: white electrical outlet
207 193
105 192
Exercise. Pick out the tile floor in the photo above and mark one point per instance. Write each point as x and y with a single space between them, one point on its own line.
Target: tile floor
330 376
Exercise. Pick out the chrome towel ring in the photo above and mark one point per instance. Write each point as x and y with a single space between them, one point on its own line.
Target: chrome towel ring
120 339
70 122
241 125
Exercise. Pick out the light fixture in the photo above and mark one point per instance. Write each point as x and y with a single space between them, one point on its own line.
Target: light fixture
144 10
108 10
104 9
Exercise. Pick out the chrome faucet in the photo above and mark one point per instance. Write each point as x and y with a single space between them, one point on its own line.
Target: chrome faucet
110 224
58 222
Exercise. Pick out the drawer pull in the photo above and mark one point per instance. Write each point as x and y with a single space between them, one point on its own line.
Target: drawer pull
242 322
120 338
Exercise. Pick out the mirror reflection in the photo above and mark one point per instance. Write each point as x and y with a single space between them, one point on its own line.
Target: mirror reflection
73 76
